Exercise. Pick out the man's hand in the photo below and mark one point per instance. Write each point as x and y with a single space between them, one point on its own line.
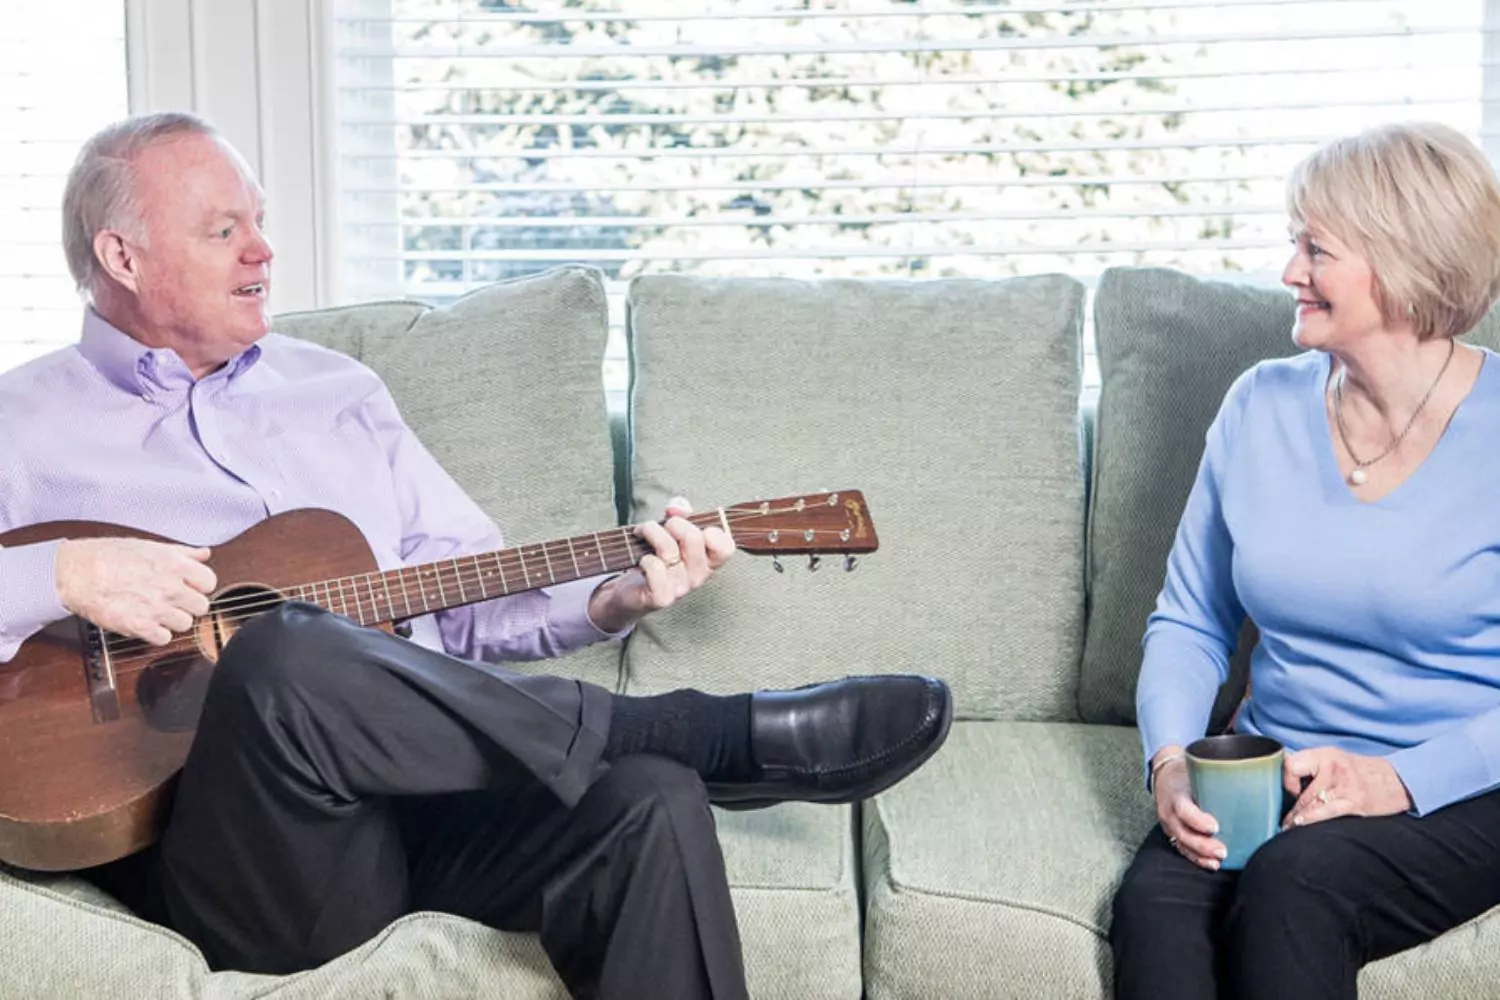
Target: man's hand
1189 829
1342 784
685 557
134 587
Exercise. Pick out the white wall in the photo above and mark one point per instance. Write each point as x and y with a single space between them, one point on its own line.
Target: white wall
254 68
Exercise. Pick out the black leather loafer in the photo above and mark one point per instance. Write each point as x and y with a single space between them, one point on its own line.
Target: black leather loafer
840 741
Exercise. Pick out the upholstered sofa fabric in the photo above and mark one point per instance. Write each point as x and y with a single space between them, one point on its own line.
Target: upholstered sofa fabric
505 388
992 869
795 895
793 876
61 940
951 404
1169 346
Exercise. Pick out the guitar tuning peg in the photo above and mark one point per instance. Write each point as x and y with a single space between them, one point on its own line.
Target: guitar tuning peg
849 563
776 562
812 562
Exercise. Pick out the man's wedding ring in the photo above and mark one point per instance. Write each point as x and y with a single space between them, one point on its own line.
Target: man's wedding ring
674 561
1323 796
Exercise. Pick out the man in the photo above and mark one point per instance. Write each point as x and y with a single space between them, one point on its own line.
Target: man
340 776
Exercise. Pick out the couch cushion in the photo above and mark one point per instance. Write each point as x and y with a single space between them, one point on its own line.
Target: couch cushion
792 875
505 388
951 404
791 870
991 870
1169 348
60 943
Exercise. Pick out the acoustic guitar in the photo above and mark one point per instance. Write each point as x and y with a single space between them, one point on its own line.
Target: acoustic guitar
94 726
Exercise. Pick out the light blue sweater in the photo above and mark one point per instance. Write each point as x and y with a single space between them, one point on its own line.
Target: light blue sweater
1379 622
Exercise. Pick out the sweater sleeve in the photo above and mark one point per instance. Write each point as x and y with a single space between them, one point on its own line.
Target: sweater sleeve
1191 634
1453 766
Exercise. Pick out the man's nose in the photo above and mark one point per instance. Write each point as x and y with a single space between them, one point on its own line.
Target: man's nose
259 250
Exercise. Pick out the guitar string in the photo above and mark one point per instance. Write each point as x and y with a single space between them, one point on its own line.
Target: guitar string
186 643
627 545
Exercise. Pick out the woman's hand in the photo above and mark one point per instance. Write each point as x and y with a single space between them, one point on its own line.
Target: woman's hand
1341 784
1188 828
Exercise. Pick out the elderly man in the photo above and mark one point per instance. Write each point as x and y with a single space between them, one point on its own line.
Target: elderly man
313 809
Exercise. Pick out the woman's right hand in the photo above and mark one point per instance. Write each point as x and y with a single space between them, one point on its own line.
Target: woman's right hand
1188 828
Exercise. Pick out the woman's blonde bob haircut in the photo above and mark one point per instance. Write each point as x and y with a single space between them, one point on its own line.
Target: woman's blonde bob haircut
1421 204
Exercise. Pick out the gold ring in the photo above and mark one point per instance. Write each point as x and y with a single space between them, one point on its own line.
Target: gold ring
675 561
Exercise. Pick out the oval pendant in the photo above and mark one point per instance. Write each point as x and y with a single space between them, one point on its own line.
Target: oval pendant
1358 477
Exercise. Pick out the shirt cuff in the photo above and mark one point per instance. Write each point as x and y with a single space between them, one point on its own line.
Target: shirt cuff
568 614
28 589
1442 771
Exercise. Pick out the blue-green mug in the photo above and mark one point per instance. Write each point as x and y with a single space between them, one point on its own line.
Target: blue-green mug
1237 780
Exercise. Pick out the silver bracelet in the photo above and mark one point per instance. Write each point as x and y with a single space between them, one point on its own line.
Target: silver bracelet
1155 768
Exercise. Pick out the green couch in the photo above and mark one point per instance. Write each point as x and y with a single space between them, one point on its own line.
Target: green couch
1024 526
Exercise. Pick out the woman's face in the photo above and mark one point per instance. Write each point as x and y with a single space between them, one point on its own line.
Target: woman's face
1335 290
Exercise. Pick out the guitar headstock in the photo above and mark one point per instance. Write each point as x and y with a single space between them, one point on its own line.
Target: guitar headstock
817 523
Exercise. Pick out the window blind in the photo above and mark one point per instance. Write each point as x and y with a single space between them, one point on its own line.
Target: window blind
482 139
61 78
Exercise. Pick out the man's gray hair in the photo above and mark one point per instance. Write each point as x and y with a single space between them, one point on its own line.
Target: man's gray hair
100 191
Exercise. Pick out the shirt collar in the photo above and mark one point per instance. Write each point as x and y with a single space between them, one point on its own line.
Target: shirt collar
142 370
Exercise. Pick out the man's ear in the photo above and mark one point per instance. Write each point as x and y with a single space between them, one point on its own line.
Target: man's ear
118 258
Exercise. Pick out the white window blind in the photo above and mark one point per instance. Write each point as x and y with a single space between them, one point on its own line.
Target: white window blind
486 138
62 76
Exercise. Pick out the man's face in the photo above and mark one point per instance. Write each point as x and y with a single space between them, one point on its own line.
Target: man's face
204 270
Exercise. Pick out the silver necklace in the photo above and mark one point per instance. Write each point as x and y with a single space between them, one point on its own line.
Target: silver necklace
1358 476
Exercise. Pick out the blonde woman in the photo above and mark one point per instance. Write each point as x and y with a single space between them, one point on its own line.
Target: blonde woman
1347 503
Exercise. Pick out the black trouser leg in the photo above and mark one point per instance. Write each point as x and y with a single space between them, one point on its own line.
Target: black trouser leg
1167 915
1316 903
283 849
627 889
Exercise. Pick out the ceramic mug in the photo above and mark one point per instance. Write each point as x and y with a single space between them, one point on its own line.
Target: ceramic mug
1237 780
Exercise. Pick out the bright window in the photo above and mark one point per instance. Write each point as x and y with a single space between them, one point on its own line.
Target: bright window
61 78
479 139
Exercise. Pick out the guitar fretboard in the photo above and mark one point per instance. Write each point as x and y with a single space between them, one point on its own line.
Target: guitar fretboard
412 591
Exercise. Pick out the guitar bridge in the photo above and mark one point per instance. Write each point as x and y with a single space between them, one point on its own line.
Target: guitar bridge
99 673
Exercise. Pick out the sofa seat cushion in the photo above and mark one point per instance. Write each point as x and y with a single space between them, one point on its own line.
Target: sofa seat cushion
792 873
991 870
952 404
505 388
63 939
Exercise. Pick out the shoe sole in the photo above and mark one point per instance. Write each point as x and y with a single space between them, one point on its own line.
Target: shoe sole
905 771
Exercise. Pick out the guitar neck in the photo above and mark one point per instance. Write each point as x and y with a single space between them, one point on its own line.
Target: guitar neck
413 591
800 525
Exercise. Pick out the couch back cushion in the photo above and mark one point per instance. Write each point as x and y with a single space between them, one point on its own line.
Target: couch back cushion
505 388
952 404
1169 347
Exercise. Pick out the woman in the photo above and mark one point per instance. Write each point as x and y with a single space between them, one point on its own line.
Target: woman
1348 501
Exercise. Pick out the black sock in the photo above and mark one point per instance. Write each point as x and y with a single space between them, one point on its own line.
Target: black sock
709 733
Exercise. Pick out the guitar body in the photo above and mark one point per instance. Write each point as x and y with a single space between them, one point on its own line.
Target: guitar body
90 744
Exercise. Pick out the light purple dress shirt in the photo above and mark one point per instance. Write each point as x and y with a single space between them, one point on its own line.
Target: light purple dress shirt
110 430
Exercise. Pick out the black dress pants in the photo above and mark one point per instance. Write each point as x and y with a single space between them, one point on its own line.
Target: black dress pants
1314 904
342 777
